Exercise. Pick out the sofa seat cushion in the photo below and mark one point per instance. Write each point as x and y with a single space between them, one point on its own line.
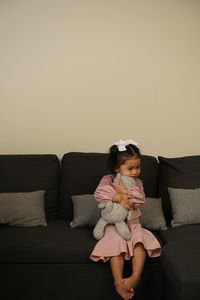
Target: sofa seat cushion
56 243
185 232
180 261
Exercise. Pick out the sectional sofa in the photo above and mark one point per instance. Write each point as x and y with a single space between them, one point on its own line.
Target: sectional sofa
46 231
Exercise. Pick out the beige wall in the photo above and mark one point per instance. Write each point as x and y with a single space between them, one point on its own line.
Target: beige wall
78 75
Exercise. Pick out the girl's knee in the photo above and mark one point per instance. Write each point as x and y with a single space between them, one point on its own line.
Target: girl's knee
139 245
139 249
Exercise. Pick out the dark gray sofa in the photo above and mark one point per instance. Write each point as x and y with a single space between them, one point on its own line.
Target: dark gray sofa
180 259
52 262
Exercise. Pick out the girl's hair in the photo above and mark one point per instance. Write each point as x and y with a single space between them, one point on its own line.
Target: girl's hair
116 158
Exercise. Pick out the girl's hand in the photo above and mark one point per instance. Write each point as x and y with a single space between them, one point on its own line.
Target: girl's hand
124 200
120 188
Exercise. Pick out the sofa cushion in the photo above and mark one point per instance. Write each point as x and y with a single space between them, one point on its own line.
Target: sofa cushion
152 216
182 172
181 264
28 173
87 212
185 206
55 243
22 209
82 172
185 232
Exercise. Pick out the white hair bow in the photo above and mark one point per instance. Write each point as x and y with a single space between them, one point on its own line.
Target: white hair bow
121 145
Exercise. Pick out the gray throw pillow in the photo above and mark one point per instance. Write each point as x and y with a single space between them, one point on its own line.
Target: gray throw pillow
152 216
185 206
22 209
86 211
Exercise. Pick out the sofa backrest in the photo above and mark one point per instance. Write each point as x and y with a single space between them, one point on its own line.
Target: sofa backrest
81 173
27 173
181 173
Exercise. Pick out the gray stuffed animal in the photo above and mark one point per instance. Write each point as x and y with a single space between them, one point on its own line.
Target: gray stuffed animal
115 213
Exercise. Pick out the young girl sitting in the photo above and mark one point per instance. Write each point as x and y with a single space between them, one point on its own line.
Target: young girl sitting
125 158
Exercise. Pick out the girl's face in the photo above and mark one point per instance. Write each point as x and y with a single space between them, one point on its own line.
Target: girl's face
131 167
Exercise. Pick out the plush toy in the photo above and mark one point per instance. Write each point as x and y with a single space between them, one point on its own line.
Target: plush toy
115 213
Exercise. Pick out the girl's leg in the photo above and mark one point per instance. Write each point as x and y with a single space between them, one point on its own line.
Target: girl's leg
138 260
117 266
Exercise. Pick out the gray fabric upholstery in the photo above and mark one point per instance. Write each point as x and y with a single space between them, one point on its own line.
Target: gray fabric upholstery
185 206
56 243
182 173
186 233
181 262
152 216
87 169
22 209
32 172
86 211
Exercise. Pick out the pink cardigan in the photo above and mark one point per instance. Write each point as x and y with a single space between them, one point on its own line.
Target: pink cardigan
105 192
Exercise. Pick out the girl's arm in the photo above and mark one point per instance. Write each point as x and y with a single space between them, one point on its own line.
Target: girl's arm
137 194
104 191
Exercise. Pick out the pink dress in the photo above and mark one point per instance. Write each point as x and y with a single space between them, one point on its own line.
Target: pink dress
112 244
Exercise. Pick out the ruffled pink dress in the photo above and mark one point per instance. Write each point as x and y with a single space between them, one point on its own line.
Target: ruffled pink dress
112 244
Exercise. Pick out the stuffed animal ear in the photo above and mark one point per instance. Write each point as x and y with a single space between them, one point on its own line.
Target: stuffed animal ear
117 178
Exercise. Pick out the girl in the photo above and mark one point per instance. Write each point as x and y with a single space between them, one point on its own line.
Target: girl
125 158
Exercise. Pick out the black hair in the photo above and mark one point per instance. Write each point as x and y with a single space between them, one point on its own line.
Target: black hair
116 158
